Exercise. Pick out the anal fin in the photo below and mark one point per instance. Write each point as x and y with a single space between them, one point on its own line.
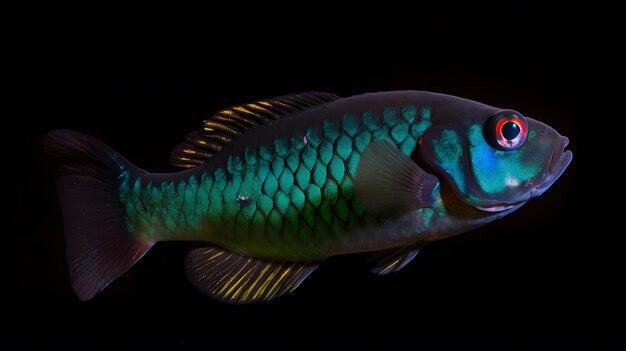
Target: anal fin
237 279
392 260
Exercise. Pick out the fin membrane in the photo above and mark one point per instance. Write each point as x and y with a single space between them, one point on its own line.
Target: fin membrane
99 247
224 126
236 279
392 260
388 182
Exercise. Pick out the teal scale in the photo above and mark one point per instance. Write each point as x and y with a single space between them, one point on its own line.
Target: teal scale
293 195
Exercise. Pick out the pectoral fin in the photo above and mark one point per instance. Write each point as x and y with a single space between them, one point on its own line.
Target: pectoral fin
392 260
388 182
237 279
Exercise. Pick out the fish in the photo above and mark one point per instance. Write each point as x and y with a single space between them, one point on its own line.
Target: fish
270 189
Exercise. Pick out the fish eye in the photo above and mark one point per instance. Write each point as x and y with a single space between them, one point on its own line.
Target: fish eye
505 130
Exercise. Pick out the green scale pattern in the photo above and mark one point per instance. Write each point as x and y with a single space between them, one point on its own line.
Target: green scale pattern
291 199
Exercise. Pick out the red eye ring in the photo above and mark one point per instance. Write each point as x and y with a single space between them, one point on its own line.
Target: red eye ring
507 141
506 131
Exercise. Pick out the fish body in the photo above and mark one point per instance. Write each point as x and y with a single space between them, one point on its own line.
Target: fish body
276 186
287 192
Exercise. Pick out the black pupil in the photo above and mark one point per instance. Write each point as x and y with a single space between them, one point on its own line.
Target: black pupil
510 130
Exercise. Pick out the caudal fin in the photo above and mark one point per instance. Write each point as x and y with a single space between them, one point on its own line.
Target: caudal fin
99 246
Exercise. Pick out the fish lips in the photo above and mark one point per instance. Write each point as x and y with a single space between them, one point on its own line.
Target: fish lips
559 160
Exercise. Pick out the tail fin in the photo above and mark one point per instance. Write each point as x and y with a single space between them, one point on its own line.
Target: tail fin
99 246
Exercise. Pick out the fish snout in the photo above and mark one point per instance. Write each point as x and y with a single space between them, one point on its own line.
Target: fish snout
559 160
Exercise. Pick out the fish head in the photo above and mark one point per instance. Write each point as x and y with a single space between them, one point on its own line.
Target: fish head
494 160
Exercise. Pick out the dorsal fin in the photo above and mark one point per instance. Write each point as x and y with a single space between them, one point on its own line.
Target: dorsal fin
198 146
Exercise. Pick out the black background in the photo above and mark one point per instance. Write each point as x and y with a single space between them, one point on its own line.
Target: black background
546 277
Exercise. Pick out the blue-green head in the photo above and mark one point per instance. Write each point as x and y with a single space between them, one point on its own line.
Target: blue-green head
493 159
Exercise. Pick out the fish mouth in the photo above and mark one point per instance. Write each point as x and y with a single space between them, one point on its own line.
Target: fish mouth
559 160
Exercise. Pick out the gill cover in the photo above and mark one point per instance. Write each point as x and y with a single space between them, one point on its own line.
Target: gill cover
494 160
